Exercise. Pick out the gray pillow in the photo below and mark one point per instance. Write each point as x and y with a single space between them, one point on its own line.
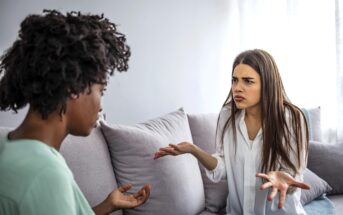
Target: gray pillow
326 161
203 128
177 187
313 119
318 187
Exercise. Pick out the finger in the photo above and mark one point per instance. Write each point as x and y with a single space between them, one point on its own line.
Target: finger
125 187
159 154
301 185
282 199
147 188
143 192
139 194
272 194
262 175
266 185
169 150
174 147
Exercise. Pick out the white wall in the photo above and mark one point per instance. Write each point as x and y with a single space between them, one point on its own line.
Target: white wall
179 54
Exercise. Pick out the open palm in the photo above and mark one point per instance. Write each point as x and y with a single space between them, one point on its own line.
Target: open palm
280 181
121 200
174 149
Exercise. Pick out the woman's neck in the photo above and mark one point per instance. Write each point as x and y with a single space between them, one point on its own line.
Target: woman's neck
50 131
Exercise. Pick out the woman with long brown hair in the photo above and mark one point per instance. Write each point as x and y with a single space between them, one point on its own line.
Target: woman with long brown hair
262 141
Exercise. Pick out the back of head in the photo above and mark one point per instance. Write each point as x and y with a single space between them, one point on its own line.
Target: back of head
57 55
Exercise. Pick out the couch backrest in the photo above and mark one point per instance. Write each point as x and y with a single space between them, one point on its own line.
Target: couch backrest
89 160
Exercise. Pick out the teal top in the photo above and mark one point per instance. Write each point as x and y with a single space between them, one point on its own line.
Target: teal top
35 180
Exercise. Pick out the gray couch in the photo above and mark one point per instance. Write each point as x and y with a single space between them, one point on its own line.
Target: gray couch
117 154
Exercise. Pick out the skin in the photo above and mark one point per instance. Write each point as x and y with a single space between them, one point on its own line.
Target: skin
246 90
53 130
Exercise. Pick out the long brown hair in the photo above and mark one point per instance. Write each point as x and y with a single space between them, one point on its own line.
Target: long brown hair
276 131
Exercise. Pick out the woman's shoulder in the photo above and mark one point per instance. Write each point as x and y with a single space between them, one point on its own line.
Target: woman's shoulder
226 110
31 157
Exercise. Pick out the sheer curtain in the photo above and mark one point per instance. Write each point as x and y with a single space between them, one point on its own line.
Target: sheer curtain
302 37
339 42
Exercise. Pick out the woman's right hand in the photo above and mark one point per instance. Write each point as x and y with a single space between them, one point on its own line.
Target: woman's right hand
175 149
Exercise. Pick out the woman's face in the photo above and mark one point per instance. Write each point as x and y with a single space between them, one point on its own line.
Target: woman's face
246 87
84 110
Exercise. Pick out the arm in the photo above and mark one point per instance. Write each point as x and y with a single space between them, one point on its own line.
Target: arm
118 200
204 158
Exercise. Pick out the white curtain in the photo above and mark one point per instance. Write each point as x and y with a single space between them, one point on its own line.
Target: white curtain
301 35
339 60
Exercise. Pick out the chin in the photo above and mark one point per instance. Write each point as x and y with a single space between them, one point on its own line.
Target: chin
241 107
83 133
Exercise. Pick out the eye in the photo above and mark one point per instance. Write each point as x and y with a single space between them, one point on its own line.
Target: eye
102 91
248 81
234 80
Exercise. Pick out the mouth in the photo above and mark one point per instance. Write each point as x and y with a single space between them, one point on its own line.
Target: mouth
238 98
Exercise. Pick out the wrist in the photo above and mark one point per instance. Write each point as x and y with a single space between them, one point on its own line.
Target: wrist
194 150
104 207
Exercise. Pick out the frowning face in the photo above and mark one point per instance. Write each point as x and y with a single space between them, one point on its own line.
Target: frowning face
246 87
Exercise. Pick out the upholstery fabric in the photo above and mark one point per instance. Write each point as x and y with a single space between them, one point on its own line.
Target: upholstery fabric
89 160
177 187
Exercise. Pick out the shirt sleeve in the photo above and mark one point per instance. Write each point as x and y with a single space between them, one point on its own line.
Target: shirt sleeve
219 172
50 193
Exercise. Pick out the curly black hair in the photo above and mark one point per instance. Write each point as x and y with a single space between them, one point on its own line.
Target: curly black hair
57 55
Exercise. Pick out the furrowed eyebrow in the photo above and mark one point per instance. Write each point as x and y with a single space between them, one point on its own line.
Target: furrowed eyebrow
248 78
244 78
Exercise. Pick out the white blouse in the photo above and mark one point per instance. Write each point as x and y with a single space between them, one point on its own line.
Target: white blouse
240 170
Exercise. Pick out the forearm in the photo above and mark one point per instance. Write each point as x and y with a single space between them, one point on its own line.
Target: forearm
204 158
103 208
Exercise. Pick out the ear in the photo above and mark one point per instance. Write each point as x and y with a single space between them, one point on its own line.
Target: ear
74 96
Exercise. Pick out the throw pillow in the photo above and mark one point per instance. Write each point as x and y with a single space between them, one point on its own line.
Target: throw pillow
203 128
313 119
177 187
326 161
318 187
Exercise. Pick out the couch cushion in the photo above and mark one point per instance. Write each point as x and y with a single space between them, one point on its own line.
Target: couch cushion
318 187
326 161
176 182
313 119
89 160
338 202
203 128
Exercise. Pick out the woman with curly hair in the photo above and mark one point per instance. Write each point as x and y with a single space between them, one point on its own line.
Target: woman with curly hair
59 66
262 139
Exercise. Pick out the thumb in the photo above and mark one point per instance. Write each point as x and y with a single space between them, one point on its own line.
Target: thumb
301 185
125 187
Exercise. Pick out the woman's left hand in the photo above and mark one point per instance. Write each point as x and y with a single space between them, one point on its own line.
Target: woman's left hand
280 181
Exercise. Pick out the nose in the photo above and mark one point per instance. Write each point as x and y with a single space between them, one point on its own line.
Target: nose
237 87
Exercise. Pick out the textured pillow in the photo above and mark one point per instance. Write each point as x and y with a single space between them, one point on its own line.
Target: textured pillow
203 128
313 119
318 187
176 182
89 160
326 161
